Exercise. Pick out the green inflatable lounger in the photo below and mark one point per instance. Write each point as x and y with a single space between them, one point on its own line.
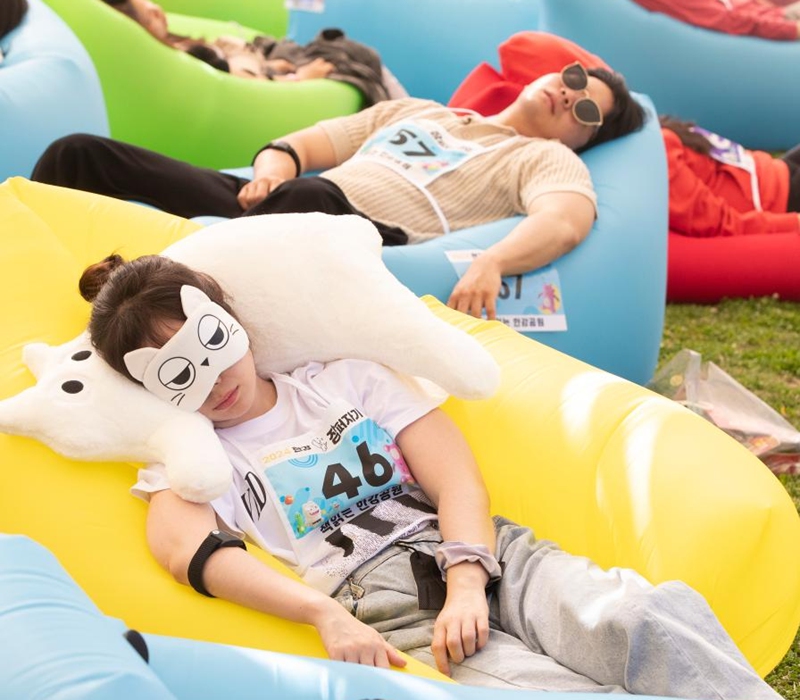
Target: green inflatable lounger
162 99
265 16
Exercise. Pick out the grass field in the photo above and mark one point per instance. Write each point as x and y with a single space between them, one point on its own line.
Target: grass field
756 341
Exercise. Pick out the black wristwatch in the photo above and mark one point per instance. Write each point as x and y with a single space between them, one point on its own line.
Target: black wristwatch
286 148
215 540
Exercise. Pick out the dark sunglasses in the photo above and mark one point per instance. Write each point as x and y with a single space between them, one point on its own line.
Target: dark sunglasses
585 110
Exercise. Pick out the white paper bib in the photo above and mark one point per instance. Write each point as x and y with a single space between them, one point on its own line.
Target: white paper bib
731 153
421 150
342 492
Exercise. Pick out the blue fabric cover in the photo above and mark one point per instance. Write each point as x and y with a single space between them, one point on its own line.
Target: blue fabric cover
430 46
742 87
48 89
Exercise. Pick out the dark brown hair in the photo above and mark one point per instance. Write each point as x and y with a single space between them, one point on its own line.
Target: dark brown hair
125 7
627 115
131 301
683 130
12 13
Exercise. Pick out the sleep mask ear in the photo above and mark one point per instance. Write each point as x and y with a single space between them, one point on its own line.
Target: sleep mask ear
185 369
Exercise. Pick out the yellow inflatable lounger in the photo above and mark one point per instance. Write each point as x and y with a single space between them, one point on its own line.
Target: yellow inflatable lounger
598 464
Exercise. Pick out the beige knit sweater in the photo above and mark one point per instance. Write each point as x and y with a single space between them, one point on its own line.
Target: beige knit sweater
497 184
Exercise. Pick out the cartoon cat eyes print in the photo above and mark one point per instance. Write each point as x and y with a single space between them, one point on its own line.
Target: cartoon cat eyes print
184 370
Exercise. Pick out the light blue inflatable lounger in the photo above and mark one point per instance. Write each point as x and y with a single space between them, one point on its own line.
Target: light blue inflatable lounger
57 645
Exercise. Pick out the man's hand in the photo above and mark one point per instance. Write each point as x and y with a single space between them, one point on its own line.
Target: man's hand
281 65
318 68
347 639
253 192
478 288
792 11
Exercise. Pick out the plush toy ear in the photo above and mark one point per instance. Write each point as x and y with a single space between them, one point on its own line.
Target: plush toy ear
191 298
85 410
35 356
137 361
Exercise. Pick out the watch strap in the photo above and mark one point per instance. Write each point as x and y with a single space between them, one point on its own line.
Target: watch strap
286 148
215 540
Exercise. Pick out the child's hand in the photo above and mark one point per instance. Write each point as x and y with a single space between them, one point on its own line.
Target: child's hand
347 639
462 627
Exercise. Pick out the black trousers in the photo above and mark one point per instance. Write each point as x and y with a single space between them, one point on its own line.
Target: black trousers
792 159
108 167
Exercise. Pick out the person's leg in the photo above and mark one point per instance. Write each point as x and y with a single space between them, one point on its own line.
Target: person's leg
400 591
792 159
309 194
616 628
109 167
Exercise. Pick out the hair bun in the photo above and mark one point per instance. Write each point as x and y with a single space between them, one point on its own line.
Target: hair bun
96 275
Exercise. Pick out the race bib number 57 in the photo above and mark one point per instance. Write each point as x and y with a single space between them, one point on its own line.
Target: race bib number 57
531 302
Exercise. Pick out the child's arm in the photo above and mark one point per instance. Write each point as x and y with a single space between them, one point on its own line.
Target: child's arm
176 528
442 463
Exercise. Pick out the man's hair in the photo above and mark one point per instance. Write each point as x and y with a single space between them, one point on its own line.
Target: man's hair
206 54
627 115
125 7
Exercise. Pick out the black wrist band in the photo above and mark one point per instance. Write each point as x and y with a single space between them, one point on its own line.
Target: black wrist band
215 540
286 148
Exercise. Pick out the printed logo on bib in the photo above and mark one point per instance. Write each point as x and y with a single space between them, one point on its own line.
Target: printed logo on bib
421 150
724 150
329 479
733 154
528 303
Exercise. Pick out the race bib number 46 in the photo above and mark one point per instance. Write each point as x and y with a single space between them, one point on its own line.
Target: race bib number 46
334 479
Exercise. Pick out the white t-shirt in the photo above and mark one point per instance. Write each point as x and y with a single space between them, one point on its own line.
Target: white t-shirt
294 492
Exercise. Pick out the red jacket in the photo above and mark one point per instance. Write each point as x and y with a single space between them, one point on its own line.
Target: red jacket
708 198
745 17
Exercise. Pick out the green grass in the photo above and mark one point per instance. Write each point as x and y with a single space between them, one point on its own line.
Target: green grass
756 341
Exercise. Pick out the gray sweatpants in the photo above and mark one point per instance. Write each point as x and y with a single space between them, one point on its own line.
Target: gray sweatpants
560 622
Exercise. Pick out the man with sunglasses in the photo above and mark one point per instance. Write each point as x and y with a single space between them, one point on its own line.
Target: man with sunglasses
415 168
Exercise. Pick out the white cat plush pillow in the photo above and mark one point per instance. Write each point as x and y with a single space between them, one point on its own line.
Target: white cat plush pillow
85 410
305 287
313 287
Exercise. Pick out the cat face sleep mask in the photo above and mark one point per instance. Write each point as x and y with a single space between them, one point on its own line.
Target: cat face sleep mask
184 370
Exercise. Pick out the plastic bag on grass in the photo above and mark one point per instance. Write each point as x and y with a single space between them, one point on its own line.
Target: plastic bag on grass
709 391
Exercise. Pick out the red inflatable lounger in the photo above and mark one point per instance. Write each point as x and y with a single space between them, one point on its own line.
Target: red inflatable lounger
524 57
705 270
